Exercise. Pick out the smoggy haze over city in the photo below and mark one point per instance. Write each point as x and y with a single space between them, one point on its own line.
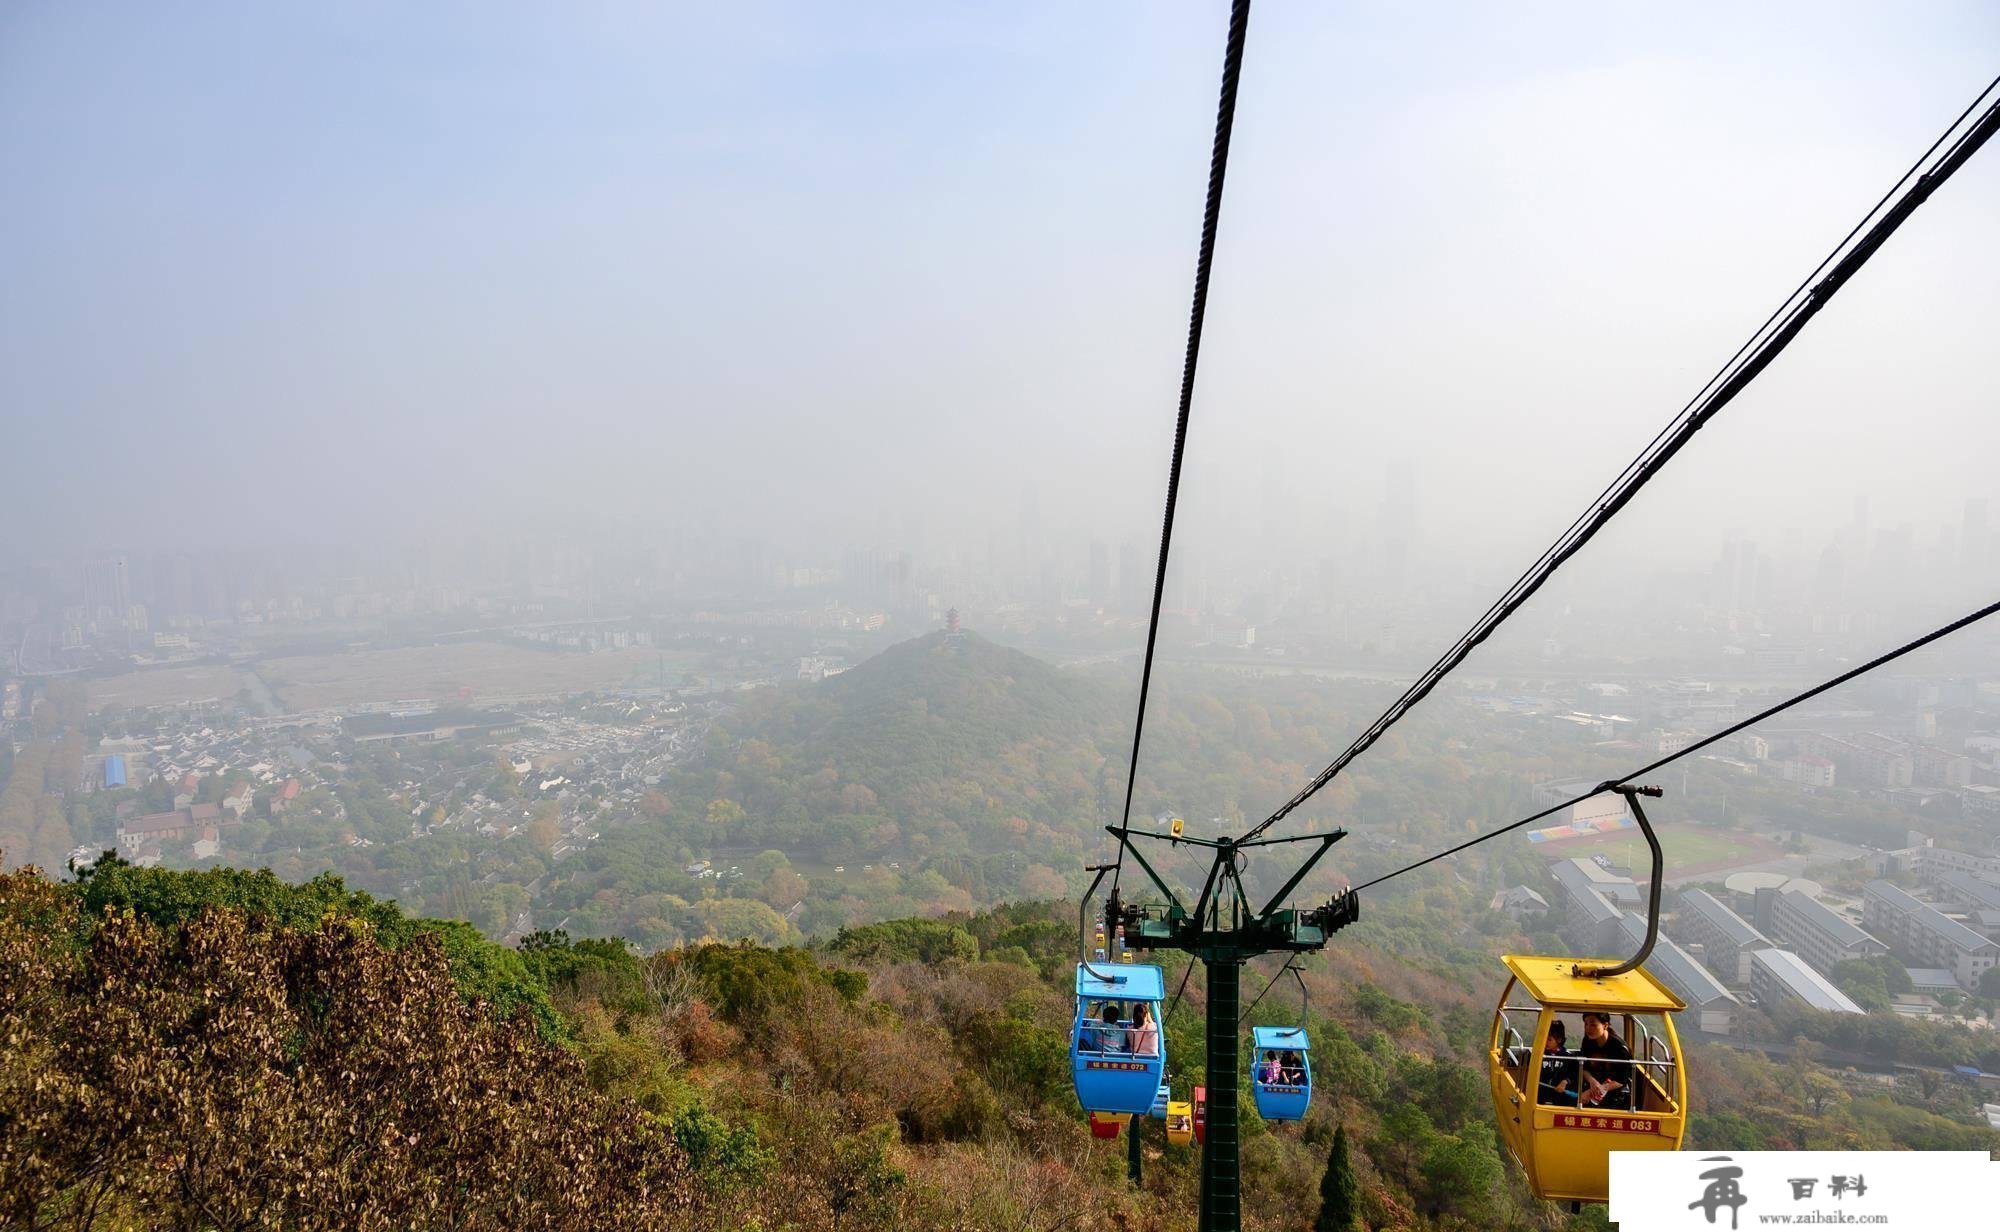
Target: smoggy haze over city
896 275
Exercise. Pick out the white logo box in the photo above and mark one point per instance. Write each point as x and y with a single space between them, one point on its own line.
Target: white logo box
1931 1191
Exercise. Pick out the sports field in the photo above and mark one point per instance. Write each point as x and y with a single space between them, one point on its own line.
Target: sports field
1689 849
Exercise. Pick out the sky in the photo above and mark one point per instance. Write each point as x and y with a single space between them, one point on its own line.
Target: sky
834 272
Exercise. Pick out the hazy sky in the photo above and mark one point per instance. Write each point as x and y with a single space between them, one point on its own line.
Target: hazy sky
314 269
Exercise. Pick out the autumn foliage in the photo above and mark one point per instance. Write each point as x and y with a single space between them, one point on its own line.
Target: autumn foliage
229 1073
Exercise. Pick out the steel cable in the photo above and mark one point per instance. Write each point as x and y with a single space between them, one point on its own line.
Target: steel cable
1218 168
1963 621
1749 361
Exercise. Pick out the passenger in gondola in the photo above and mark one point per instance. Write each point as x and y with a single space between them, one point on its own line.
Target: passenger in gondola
1606 1064
1108 1036
1145 1032
1559 1067
1272 1071
1293 1067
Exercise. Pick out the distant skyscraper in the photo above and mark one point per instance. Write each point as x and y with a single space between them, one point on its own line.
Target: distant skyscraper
1742 578
107 593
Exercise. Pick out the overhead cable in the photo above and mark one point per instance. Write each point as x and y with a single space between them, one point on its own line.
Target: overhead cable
1218 168
1275 977
1175 1003
1731 379
1971 618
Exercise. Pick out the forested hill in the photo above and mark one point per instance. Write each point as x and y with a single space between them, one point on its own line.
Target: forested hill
944 773
223 1049
949 773
966 683
936 726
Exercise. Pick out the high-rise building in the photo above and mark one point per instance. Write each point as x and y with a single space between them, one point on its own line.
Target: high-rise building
107 594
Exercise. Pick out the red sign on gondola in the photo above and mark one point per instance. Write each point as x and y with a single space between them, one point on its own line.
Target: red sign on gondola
1620 1124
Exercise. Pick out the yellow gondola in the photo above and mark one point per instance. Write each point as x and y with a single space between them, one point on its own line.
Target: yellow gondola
1624 1088
1180 1122
1562 1144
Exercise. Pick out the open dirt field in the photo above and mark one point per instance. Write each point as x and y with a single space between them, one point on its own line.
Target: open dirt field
440 673
164 686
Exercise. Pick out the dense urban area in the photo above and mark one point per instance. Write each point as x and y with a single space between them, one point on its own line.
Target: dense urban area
689 796
557 743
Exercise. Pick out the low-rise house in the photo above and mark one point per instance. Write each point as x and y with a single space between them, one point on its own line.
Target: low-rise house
1518 902
237 802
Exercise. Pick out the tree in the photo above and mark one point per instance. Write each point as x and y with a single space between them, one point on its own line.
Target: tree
783 888
228 1072
733 919
1041 881
1459 1171
724 815
1823 1091
1402 1148
545 832
1337 1190
764 863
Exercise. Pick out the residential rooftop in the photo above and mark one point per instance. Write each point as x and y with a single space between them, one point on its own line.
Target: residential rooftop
1928 917
1844 931
1712 909
1804 982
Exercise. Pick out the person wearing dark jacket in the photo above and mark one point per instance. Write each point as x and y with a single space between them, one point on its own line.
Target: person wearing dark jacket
1607 1065
1559 1076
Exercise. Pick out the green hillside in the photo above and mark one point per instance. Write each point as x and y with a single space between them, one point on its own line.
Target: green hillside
225 1050
937 726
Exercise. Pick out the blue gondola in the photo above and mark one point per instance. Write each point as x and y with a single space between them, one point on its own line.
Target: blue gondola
1285 1095
1109 1075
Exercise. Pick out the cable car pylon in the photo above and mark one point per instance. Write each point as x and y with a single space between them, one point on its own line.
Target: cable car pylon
1223 931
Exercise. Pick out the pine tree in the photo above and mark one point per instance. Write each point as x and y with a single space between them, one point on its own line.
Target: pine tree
1337 1189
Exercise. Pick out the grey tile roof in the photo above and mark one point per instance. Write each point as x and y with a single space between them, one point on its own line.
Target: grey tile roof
1971 888
1674 965
1929 918
1809 985
1720 917
1844 931
1599 908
